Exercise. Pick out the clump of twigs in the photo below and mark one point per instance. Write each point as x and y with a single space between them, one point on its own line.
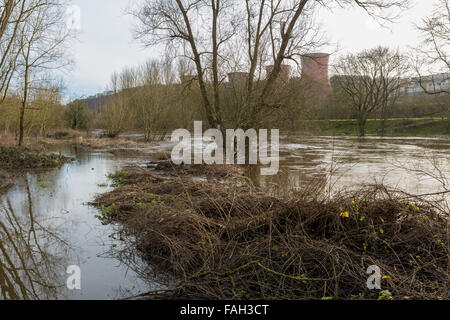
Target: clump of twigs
232 241
216 171
12 158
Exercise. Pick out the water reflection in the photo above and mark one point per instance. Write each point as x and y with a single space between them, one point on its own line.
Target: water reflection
32 254
46 225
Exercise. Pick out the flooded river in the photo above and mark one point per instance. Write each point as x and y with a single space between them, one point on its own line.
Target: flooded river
46 224
415 165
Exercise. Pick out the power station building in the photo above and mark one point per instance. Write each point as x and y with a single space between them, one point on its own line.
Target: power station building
314 77
315 74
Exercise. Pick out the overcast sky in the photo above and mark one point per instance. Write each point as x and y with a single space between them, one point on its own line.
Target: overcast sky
105 43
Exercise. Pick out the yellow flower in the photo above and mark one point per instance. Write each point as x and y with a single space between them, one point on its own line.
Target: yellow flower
345 214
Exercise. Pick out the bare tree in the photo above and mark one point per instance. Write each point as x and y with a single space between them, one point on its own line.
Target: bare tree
153 97
77 114
13 14
434 54
205 30
43 40
371 80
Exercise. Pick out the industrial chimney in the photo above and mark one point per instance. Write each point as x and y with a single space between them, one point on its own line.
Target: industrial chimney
284 74
315 73
237 78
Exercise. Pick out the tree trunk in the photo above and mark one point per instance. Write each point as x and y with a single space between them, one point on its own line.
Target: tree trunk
448 120
362 127
21 117
383 126
22 109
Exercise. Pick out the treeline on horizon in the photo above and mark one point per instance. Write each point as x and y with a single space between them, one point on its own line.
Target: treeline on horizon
151 99
190 83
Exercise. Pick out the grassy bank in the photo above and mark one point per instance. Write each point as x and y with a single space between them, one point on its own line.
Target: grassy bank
231 241
424 127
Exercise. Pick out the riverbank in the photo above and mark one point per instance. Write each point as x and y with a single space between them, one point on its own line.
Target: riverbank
412 127
229 240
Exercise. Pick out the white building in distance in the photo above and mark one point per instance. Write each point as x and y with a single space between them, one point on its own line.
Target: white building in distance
436 83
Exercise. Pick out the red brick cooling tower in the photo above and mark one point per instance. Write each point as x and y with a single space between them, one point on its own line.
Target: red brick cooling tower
284 74
237 78
315 73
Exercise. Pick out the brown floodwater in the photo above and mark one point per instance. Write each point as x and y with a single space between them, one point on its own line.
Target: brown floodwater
46 224
412 164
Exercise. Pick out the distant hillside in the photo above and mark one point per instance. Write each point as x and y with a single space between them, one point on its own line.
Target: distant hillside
97 101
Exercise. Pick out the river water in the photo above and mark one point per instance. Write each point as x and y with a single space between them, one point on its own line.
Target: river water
46 224
414 165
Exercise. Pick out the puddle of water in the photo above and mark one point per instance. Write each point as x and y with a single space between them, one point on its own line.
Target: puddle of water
46 226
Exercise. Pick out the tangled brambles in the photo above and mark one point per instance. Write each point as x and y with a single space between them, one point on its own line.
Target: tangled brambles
12 158
210 171
230 241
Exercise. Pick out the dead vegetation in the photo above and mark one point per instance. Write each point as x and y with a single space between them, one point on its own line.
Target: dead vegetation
114 144
119 145
199 170
15 160
12 158
231 241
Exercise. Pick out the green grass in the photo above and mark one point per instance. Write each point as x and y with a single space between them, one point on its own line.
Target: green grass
419 127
